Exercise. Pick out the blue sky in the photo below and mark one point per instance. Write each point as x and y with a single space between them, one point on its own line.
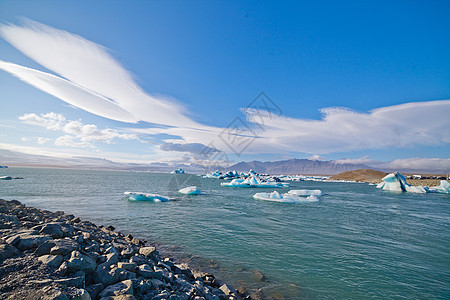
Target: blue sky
358 80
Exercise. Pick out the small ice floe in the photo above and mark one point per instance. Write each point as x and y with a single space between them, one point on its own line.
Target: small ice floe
443 188
5 178
178 171
285 198
254 181
190 190
146 197
306 193
396 182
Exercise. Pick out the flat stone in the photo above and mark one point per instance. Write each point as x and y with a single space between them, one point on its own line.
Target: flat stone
8 251
64 246
53 261
121 288
127 266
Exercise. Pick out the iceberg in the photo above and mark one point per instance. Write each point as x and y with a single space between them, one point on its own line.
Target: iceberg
190 190
306 193
253 181
396 182
284 198
443 188
146 197
178 171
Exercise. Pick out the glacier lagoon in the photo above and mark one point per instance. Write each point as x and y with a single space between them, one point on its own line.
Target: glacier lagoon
356 242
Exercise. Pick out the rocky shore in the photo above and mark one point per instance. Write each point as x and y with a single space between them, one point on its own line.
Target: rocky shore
51 255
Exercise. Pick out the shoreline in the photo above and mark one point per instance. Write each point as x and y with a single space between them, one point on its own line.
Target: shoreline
51 255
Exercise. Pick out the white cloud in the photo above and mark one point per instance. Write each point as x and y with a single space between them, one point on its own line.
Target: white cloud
316 157
25 139
436 164
50 120
68 141
365 160
341 130
42 140
73 129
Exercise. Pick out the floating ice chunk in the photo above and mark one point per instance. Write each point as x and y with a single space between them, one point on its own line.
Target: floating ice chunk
253 181
285 198
305 193
397 182
146 197
443 188
190 190
178 171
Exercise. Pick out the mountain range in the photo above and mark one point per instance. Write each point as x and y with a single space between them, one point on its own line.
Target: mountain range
297 166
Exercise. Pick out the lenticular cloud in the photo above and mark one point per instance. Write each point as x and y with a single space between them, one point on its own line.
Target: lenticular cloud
90 78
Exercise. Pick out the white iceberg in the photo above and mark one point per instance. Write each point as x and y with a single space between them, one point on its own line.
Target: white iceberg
190 190
253 181
284 198
396 182
443 188
306 193
146 197
178 171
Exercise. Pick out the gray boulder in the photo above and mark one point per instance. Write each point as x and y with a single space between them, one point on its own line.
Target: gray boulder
8 251
64 246
31 241
52 229
148 251
122 288
53 261
81 262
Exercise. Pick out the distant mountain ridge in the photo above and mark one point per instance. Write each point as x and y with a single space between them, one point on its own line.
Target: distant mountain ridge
297 166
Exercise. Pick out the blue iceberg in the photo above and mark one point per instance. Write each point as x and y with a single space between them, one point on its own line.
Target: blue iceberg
443 188
146 197
253 181
396 182
284 198
190 190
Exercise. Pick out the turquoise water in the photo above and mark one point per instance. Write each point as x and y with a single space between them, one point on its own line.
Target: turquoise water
357 242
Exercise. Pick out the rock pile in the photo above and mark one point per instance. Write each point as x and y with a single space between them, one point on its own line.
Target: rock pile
51 255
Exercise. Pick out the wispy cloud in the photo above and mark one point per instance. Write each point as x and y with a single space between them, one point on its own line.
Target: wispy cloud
341 129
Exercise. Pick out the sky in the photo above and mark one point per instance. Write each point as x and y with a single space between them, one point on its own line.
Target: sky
201 81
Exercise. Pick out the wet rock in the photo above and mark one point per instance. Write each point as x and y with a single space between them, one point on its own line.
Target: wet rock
63 246
8 251
121 288
258 275
53 261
